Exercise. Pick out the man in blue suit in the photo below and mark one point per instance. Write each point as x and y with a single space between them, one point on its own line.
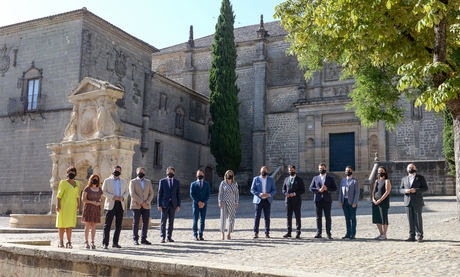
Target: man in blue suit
321 185
199 192
263 188
168 202
348 200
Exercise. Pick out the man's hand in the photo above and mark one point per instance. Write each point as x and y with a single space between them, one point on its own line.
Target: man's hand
340 204
200 204
412 190
408 191
160 208
177 208
324 188
354 205
144 205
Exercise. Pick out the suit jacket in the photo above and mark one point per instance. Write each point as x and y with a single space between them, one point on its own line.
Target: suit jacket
420 187
353 192
256 189
298 188
316 186
109 192
166 194
139 195
198 194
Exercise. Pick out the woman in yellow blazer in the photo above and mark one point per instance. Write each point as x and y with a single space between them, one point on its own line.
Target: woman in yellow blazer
68 202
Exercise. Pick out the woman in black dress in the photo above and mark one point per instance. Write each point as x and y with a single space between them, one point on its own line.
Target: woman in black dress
381 202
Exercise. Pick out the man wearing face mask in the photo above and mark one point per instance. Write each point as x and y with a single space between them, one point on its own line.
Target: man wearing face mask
168 202
199 192
293 188
116 191
348 200
141 192
413 186
321 185
263 188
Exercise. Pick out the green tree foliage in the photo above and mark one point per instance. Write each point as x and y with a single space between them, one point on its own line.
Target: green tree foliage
448 141
225 130
412 36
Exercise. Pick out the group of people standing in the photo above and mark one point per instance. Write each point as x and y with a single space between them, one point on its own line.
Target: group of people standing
116 190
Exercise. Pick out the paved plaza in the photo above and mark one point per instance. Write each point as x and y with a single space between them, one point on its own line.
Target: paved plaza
439 255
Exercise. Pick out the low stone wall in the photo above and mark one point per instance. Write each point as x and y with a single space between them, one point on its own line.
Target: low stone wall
29 261
25 202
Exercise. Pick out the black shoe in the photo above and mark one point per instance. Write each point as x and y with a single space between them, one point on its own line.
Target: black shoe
105 246
201 238
411 239
352 237
297 236
135 242
116 246
196 237
318 236
267 236
162 240
420 239
288 235
146 242
329 236
346 237
170 240
256 236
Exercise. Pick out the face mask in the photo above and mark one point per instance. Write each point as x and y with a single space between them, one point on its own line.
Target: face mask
411 171
71 175
322 171
348 173
116 173
381 174
230 177
94 182
170 175
292 173
200 177
264 173
141 175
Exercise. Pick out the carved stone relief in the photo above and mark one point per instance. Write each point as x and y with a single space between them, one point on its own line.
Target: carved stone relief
4 60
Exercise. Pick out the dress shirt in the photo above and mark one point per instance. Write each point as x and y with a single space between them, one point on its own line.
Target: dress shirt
411 179
117 187
264 184
142 182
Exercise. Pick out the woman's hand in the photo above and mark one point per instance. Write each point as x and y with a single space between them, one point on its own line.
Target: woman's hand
236 205
220 205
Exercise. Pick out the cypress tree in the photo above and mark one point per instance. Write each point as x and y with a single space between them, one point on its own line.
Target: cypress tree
225 130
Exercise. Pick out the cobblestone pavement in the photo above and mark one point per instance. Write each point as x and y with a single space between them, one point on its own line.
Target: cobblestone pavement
439 255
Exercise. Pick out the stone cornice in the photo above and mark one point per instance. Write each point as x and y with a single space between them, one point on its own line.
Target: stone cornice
182 87
75 15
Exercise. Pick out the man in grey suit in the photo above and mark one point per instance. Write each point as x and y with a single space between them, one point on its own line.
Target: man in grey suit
413 186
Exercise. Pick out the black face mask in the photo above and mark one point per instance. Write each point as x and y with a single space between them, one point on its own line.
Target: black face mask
381 174
141 175
170 175
264 173
348 173
411 171
94 182
200 177
322 171
230 177
116 173
71 175
292 173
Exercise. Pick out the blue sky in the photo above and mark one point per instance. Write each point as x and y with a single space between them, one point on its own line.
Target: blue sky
161 23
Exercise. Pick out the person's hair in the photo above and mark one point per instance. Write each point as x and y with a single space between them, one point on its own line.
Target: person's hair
200 170
348 167
117 166
264 167
322 164
71 169
170 168
94 176
227 172
412 165
291 166
139 169
386 172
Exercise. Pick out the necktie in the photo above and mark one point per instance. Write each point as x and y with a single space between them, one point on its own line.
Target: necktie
291 182
170 183
201 185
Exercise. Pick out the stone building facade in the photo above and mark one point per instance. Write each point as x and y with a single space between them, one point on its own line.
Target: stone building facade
283 118
42 60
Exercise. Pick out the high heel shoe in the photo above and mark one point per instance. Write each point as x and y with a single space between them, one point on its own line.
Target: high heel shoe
68 245
229 237
87 245
92 245
61 244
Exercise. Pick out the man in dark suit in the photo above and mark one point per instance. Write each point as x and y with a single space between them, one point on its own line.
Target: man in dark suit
199 192
321 185
168 202
293 188
413 186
